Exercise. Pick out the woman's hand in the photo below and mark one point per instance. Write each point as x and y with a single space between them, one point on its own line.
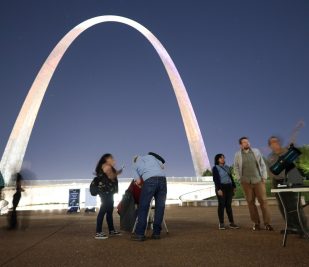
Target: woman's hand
220 193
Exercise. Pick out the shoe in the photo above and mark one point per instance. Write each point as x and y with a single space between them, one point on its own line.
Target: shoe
139 238
234 226
221 226
256 227
114 233
156 237
268 227
100 236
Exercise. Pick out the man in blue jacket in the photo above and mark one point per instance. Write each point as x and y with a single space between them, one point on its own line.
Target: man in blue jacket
150 168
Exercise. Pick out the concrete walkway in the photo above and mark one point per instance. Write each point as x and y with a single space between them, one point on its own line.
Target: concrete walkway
57 239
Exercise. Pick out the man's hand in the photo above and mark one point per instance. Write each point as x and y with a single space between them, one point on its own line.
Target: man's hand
220 193
263 180
138 181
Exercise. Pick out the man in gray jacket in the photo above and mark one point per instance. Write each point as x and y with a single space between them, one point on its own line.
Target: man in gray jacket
251 171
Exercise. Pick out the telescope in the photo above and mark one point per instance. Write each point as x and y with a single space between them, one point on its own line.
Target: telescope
286 161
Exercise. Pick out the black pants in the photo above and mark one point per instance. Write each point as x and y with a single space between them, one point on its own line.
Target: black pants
290 200
1 187
13 219
225 202
107 207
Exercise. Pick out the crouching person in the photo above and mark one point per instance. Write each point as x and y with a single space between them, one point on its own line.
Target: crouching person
150 168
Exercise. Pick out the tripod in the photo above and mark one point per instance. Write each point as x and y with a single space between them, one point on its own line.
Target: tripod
150 218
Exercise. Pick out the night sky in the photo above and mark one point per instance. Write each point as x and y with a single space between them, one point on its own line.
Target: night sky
245 65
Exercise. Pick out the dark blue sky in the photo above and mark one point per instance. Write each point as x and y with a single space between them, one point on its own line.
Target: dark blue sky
245 65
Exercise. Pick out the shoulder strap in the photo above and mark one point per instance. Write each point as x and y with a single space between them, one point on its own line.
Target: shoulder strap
228 172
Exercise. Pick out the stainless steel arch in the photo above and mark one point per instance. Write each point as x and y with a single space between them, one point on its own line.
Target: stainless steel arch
14 152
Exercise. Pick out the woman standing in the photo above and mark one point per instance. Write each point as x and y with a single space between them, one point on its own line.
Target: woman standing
107 187
16 199
225 188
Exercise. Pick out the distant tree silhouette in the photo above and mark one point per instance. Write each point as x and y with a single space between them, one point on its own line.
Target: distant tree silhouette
207 173
303 161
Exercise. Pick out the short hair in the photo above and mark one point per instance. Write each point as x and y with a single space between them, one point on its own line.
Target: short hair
242 138
217 157
274 137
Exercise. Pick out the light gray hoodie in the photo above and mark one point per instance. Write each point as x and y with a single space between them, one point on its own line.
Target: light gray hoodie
259 159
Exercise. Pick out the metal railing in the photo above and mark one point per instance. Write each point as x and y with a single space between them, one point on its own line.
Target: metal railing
199 195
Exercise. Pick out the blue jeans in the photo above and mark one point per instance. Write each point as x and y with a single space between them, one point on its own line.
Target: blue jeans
107 207
152 187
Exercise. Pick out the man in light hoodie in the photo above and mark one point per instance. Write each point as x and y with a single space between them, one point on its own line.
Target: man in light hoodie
251 171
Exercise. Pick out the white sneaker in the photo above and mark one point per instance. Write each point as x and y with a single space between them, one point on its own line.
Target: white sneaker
100 236
221 226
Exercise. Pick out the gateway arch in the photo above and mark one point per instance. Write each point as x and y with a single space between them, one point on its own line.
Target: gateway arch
14 152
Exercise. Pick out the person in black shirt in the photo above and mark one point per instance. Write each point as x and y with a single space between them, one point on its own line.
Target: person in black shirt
107 187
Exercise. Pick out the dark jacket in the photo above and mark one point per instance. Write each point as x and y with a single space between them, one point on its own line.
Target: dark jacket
106 185
217 179
127 212
1 181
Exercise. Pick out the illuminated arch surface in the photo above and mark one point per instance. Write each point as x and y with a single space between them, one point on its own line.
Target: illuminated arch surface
14 152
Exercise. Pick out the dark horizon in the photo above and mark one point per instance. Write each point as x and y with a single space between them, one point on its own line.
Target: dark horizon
244 63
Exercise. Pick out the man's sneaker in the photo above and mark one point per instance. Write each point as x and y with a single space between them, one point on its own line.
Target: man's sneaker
221 226
256 227
114 233
136 237
268 227
100 236
233 226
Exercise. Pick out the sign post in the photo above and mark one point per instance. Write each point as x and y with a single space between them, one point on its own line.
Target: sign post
74 200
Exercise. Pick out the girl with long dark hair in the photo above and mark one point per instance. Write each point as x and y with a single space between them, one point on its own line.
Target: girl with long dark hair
225 187
107 187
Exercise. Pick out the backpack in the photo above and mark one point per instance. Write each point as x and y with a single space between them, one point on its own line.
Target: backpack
94 186
101 184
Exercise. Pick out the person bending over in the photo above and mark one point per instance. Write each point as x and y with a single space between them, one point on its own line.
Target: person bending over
150 169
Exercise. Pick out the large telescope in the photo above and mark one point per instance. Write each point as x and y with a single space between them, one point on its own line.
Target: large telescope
286 161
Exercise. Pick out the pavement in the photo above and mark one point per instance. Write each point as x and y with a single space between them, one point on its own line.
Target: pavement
57 239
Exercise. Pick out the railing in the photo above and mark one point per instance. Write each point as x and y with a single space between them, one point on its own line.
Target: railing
198 195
